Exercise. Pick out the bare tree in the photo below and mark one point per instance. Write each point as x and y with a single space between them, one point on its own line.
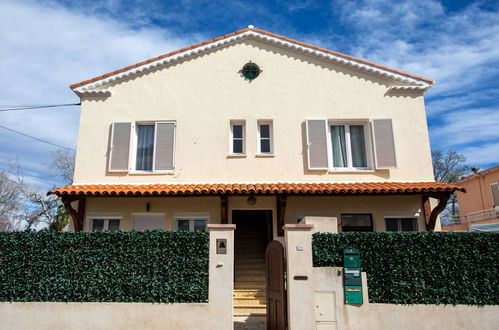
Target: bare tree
10 202
449 167
63 165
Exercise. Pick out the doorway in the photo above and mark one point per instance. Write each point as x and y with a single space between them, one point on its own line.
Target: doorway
251 237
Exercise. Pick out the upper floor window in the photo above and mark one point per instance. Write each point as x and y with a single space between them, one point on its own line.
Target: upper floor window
349 145
495 193
142 147
237 138
265 137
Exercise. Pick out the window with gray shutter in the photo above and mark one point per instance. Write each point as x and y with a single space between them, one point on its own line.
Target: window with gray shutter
495 193
165 146
317 144
384 144
120 147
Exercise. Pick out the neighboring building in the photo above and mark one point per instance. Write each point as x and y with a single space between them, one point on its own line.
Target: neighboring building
480 203
259 130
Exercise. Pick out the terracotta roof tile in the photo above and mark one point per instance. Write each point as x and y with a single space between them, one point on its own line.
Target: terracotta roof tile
327 188
241 31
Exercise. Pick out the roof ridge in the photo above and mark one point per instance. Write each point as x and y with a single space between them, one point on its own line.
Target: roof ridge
136 65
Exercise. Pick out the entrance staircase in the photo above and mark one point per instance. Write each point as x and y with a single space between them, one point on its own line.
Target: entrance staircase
250 281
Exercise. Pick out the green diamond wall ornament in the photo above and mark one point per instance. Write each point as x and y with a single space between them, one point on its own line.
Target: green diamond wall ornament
250 71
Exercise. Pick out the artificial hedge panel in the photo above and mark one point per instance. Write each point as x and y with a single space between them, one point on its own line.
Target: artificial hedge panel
151 266
420 268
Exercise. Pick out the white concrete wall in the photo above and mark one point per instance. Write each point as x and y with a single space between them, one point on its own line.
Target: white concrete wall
204 94
214 315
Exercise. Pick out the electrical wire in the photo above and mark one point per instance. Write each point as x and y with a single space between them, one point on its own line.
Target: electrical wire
39 107
35 138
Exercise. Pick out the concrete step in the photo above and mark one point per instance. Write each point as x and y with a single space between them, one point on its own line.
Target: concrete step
250 310
250 302
249 286
250 321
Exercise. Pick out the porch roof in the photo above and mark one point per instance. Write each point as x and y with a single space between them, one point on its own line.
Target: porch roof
214 189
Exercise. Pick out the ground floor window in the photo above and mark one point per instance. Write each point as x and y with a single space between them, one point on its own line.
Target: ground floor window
102 224
356 222
401 224
191 222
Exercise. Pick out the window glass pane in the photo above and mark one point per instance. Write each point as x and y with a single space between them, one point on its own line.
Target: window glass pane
358 144
339 146
408 224
183 224
199 225
145 146
97 225
264 131
237 146
265 145
391 224
114 225
237 131
356 222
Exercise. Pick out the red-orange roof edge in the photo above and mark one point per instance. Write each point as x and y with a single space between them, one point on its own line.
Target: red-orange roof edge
241 31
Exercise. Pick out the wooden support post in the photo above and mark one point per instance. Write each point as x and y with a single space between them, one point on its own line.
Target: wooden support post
432 219
77 216
224 209
281 211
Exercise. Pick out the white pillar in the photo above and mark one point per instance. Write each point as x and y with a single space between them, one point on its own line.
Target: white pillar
300 291
221 274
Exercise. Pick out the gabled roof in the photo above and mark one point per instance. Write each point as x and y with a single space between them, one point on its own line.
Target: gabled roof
204 189
416 83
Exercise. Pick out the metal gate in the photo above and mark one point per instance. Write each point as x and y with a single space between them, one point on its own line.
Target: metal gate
276 292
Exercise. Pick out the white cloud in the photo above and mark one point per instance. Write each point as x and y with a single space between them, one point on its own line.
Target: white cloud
486 155
45 48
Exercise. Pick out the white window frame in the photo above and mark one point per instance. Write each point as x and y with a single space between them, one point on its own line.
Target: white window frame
90 220
270 123
367 142
134 143
416 216
231 138
191 217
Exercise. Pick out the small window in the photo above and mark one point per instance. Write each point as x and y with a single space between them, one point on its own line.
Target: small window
191 222
495 193
349 146
356 222
145 147
265 145
401 224
237 132
105 224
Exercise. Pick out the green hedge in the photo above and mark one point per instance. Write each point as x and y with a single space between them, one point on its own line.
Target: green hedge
420 268
151 266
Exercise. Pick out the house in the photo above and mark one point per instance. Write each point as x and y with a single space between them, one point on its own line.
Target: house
258 130
480 204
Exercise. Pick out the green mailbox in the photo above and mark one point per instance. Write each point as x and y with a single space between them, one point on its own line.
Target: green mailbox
352 280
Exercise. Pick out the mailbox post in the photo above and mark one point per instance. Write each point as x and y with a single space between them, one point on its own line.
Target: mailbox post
352 280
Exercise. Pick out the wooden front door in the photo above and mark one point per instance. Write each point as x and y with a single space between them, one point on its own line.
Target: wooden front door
276 292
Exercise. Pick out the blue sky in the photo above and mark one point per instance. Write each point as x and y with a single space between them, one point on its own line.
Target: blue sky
48 45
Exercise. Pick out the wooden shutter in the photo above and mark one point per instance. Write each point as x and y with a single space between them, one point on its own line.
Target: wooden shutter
119 155
384 144
317 144
164 146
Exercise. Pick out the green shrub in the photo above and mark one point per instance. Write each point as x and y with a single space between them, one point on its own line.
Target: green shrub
151 266
420 268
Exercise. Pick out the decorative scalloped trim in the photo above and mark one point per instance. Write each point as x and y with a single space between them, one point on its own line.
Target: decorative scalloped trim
322 54
100 92
409 88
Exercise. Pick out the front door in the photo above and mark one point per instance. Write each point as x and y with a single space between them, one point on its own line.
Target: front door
276 293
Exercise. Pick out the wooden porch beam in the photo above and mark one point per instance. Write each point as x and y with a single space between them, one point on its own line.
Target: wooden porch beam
281 212
431 218
224 209
77 216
